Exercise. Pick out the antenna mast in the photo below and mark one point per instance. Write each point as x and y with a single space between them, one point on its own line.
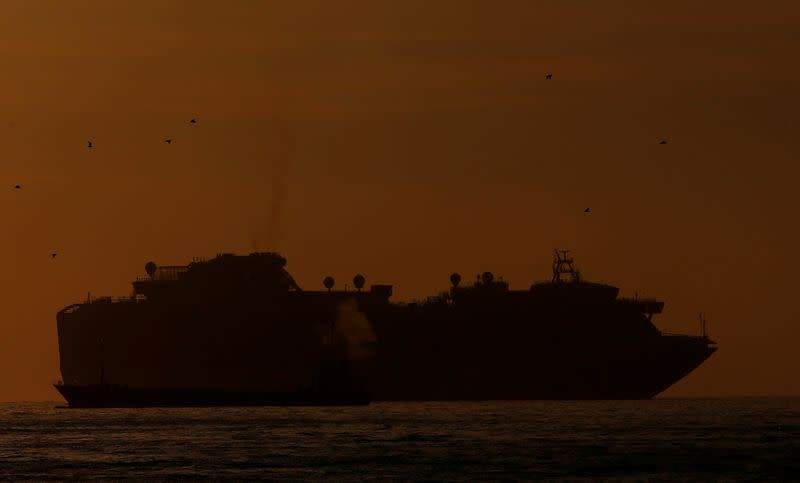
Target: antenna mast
703 325
563 264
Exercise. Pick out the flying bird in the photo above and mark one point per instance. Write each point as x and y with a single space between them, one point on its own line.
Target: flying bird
17 187
587 210
193 121
548 76
663 141
168 141
53 255
89 145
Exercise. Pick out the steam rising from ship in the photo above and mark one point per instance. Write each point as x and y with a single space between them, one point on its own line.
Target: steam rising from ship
353 330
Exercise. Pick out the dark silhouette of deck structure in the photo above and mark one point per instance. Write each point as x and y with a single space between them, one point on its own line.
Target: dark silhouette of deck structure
238 330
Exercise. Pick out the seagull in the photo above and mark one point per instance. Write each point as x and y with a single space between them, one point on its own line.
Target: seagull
89 145
663 141
587 210
168 141
17 187
548 76
193 121
53 255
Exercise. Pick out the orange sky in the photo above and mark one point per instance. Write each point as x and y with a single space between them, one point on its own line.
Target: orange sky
406 140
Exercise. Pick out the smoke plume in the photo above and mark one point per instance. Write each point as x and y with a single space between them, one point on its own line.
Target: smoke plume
281 146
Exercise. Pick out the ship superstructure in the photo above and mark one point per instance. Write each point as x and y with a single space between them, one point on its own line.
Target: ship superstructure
239 328
561 339
236 324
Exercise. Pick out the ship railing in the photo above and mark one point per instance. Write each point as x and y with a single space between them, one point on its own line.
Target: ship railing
437 299
170 272
649 300
164 274
115 300
157 278
686 336
646 305
70 309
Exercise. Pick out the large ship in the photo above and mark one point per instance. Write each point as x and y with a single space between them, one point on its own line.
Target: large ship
238 330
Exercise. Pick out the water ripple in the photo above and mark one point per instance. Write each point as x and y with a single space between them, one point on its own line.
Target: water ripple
660 439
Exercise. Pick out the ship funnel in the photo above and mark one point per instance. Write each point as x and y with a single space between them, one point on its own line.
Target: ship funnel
359 281
150 268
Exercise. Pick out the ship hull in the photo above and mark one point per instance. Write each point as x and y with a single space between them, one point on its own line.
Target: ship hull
572 371
408 365
112 396
241 328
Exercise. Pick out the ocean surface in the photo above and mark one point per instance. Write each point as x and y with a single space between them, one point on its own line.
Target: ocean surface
667 439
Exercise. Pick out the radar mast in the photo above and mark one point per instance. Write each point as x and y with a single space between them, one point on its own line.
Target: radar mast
563 264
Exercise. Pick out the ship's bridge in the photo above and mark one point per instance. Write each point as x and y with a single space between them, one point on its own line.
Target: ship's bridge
567 283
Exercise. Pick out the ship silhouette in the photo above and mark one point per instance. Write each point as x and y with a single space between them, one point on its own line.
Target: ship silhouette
239 331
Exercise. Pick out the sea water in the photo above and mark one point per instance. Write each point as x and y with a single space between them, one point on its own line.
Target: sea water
667 439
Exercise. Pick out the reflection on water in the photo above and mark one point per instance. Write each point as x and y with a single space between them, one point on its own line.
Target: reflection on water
689 439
